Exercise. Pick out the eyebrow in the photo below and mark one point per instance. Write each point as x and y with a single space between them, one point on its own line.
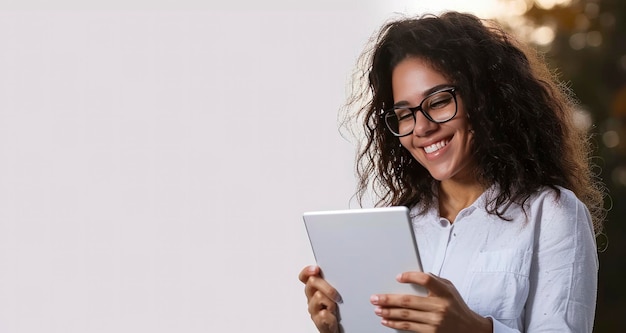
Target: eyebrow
426 93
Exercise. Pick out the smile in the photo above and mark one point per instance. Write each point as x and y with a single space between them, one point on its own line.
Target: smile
436 146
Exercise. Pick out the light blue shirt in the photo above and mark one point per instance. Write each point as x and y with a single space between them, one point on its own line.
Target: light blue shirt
535 273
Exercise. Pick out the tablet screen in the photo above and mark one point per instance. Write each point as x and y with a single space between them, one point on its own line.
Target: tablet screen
360 252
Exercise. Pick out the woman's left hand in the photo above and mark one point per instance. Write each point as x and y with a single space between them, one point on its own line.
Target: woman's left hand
442 310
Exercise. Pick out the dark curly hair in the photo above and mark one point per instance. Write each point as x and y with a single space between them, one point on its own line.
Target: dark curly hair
524 134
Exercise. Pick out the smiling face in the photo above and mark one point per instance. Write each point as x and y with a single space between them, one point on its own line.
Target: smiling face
443 149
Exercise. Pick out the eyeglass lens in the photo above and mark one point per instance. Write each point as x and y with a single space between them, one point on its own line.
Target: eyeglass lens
439 107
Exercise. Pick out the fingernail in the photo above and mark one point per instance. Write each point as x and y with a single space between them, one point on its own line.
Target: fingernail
312 269
378 310
338 298
399 277
374 299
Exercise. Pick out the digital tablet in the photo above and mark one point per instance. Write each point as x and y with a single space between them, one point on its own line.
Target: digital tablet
360 252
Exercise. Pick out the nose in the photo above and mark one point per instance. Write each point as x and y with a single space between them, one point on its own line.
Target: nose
423 126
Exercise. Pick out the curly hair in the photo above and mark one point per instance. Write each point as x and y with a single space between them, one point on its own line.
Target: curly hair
524 137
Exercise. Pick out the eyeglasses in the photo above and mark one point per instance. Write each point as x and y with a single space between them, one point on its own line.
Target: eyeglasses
437 107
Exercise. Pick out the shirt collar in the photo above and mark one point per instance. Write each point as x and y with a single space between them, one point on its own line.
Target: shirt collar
432 213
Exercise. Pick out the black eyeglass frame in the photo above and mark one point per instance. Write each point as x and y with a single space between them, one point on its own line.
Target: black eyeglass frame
386 114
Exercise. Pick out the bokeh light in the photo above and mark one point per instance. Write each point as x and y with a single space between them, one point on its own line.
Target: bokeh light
549 4
543 35
594 38
582 119
619 175
610 139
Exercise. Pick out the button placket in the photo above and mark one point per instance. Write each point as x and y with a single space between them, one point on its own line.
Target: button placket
442 249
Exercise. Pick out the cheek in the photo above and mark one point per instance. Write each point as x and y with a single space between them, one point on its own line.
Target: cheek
405 142
469 140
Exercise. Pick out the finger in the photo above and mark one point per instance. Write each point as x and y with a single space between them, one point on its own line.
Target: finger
320 302
308 271
403 314
436 286
405 302
325 322
407 325
316 283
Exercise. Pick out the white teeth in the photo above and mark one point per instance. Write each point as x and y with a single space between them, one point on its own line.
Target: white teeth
435 146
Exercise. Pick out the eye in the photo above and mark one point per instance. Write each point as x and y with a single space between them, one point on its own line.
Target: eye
439 102
403 114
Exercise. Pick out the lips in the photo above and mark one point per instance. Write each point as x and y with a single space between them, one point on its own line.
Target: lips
436 146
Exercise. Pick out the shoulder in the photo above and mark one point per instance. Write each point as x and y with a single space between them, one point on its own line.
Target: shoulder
559 203
560 218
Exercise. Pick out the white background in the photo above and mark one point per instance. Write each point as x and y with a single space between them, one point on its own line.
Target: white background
155 160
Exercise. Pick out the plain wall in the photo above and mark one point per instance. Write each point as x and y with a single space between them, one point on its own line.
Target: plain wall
154 164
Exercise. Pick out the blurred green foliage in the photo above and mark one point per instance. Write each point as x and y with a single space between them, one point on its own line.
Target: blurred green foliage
585 42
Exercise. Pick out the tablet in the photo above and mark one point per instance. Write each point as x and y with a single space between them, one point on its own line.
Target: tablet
360 252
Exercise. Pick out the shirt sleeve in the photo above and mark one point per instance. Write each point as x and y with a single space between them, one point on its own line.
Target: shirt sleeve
564 268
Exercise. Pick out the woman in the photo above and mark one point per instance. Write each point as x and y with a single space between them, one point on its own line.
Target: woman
467 128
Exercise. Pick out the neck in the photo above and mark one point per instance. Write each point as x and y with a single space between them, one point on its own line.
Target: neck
456 195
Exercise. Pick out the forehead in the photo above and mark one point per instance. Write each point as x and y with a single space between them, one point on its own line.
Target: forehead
413 78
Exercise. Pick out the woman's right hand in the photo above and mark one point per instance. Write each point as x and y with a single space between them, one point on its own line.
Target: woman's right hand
322 299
